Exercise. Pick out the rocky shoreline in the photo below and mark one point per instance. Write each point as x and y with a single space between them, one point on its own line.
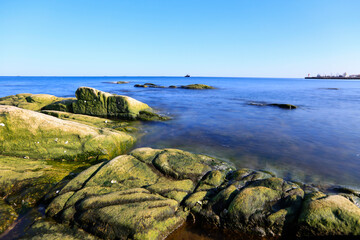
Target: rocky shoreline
69 155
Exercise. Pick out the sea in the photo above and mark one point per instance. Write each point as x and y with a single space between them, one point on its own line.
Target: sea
318 143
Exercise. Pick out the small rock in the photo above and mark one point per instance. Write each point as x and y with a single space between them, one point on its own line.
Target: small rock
2 124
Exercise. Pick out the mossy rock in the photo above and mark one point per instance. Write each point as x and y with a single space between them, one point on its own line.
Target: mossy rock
268 205
119 125
122 82
197 86
97 103
129 197
123 172
7 216
176 190
30 101
28 133
180 164
328 215
50 230
23 182
64 105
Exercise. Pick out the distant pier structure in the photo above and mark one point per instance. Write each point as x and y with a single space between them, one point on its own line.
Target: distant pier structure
338 76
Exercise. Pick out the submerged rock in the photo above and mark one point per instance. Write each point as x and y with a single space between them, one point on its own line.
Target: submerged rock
150 85
197 86
279 105
39 136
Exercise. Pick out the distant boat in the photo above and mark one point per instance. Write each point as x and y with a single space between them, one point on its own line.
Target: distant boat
187 75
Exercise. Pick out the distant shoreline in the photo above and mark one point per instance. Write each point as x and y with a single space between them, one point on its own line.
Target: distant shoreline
346 78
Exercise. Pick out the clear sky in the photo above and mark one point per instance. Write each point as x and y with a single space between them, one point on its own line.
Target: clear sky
249 38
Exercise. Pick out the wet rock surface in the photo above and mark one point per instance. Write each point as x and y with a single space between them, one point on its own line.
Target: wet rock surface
279 105
150 192
197 86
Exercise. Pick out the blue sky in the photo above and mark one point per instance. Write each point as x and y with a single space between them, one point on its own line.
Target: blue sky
253 38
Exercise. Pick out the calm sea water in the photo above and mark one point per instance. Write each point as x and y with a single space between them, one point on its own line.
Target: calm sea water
319 142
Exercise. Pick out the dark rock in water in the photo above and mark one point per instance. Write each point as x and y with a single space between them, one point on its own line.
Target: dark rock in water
172 86
187 75
279 105
283 106
197 86
150 192
330 88
150 85
139 85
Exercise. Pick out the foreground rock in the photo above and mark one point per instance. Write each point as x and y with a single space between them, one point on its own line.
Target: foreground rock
23 182
150 192
39 136
197 86
133 196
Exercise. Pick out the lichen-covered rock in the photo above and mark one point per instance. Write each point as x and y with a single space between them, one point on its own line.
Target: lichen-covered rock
33 102
49 230
328 215
63 105
92 121
150 192
28 133
97 103
133 196
197 86
23 182
7 216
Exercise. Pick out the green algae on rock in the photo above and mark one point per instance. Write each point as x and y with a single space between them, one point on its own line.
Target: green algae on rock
97 103
7 216
36 102
197 86
150 192
28 133
324 215
134 196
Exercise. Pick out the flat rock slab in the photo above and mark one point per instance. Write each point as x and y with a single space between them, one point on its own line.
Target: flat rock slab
26 133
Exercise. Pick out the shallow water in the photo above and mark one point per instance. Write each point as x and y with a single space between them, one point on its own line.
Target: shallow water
319 142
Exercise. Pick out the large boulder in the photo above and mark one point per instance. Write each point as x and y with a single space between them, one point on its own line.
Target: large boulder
136 196
97 103
328 215
36 135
